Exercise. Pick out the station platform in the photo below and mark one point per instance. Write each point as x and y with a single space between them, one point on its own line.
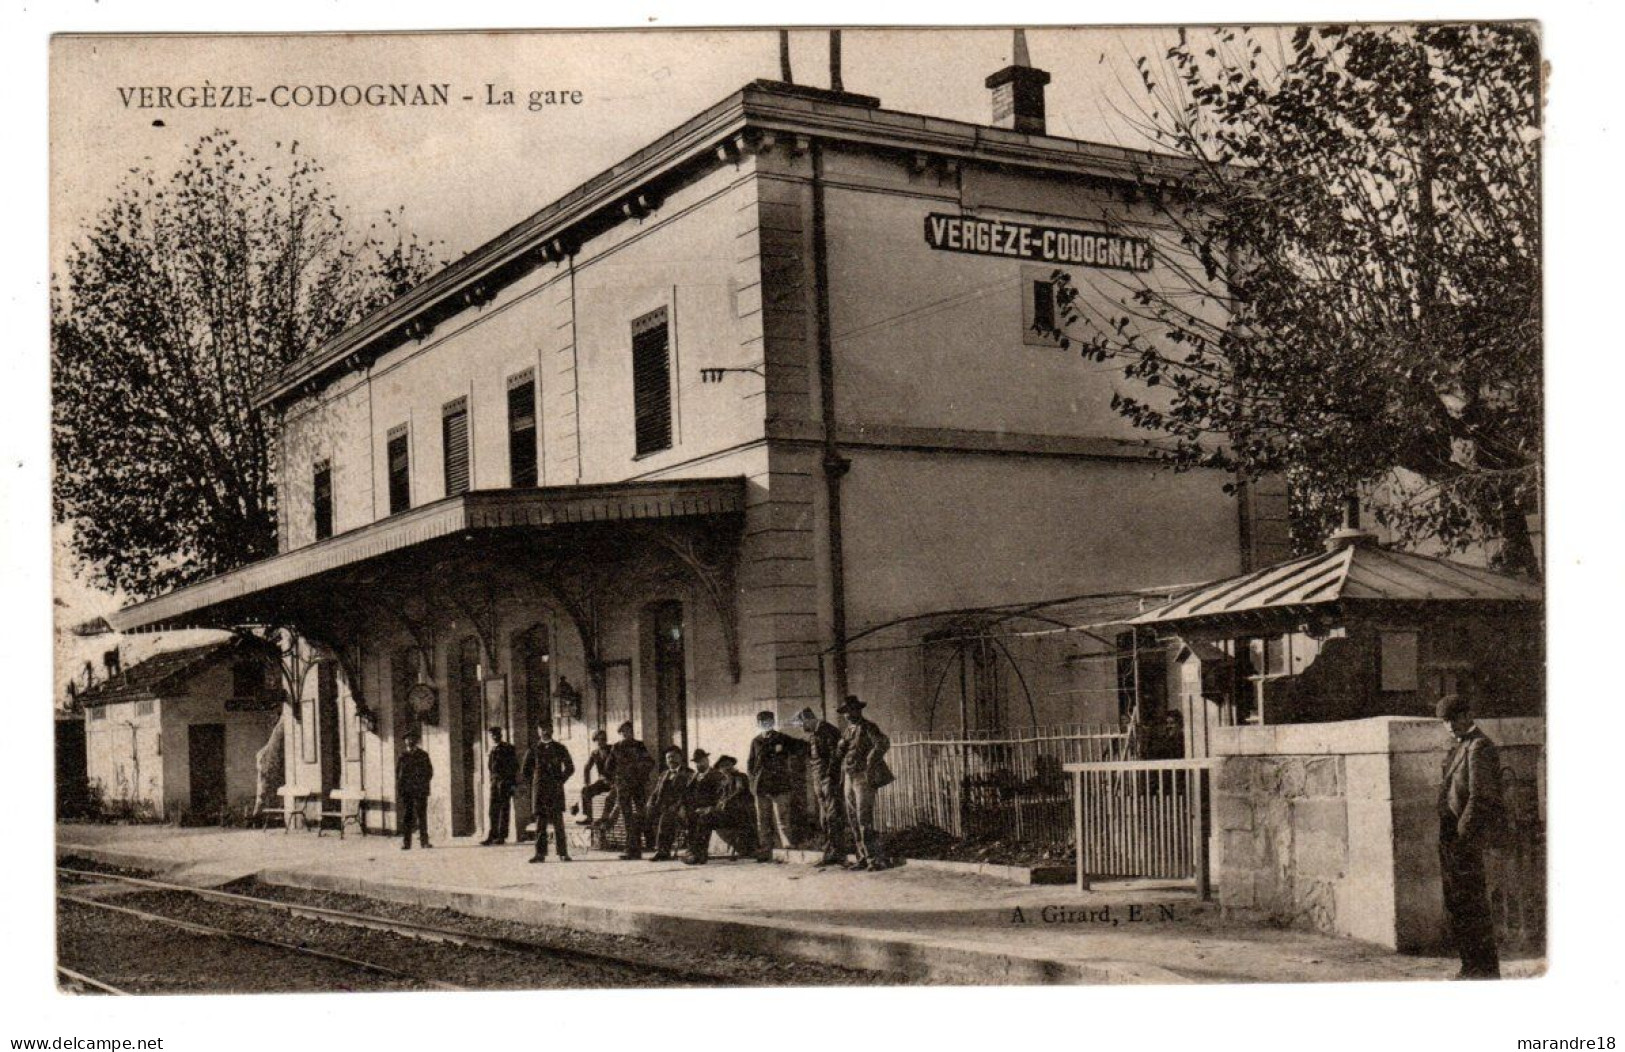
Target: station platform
922 923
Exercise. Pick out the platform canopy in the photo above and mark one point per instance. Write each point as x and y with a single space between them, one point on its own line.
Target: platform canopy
558 524
1354 572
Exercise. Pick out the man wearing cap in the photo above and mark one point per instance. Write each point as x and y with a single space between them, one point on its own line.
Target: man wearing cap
863 771
1470 816
771 781
503 766
667 800
628 769
597 763
824 776
547 770
413 773
732 816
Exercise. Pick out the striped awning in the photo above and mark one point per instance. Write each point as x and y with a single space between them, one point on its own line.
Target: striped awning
1353 573
483 513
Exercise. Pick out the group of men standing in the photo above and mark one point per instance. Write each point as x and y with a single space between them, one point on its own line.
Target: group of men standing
746 810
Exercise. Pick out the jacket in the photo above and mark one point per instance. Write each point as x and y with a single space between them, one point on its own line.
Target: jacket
547 767
413 773
670 789
705 789
597 760
862 746
769 763
503 763
630 764
1470 802
823 760
734 801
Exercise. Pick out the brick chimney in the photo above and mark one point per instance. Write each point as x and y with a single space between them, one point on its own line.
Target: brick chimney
1018 92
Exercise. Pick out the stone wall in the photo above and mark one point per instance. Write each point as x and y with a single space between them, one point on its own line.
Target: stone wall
1333 827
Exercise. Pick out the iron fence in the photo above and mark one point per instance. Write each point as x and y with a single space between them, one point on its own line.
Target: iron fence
1008 787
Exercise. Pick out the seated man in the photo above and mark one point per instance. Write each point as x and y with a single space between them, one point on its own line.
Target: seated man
731 813
666 802
597 763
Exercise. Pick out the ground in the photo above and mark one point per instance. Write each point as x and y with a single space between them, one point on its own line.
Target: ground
928 924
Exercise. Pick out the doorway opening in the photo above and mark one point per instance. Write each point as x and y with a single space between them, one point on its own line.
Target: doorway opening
327 728
664 647
206 768
468 739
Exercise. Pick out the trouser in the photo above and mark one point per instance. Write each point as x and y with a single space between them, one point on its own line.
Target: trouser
734 830
667 821
556 820
592 792
501 808
1466 902
860 816
415 815
772 809
634 804
831 817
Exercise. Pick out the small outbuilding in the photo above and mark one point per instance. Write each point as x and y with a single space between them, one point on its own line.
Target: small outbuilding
175 736
1354 631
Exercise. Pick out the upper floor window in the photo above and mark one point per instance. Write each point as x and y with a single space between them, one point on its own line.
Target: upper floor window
322 498
400 470
522 429
454 435
1038 307
651 382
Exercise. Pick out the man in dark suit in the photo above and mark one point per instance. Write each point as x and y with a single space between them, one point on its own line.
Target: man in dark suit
547 769
503 765
1470 815
667 800
824 774
628 770
772 782
731 813
413 773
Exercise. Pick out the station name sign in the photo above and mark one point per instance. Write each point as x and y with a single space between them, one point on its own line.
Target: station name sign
1046 244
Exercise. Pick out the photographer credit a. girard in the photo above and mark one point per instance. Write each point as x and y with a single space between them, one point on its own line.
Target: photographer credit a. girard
798 507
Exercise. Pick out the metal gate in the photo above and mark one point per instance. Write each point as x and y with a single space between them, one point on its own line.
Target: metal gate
1142 818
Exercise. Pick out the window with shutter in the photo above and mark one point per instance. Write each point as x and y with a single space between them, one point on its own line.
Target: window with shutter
400 471
322 499
651 382
522 429
454 435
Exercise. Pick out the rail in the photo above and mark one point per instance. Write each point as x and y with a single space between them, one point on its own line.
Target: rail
1142 818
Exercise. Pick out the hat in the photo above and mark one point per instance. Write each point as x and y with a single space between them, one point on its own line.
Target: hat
851 704
806 714
725 761
626 726
600 735
411 736
1453 705
766 716
672 750
701 754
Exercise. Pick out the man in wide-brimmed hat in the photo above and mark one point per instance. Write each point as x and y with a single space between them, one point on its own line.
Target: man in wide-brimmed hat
1470 816
864 772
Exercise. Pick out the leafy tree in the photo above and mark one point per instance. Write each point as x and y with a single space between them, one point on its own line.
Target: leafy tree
1349 292
183 297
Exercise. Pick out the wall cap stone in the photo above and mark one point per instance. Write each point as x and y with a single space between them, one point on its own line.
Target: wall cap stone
1375 735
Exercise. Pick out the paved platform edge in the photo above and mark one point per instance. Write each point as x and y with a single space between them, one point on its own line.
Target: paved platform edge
933 960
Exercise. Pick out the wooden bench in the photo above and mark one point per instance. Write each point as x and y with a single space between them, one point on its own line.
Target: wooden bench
344 806
293 806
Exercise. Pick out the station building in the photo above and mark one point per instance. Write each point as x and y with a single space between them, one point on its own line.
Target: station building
657 452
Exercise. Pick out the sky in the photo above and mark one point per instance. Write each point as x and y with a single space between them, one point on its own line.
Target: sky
461 174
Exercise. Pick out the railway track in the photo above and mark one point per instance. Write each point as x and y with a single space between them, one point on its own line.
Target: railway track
655 972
